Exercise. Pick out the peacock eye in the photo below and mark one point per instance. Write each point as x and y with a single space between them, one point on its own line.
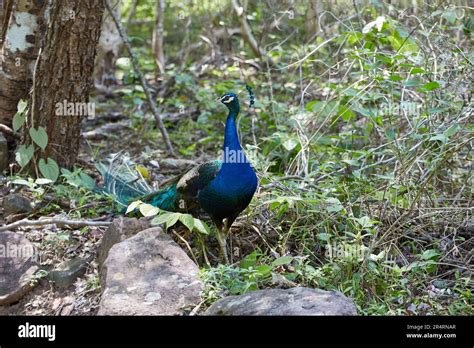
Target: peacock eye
227 99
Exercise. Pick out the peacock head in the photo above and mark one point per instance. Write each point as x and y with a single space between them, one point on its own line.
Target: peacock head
231 101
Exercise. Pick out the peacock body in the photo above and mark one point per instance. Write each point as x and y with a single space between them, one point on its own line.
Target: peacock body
222 188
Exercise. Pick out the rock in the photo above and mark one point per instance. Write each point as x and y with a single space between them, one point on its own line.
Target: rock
16 204
119 230
295 301
3 153
149 274
176 163
18 264
68 271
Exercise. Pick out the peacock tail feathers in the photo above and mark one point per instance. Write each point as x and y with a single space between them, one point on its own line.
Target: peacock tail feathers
121 180
166 198
126 184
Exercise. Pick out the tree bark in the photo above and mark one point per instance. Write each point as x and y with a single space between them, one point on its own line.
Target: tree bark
158 50
315 8
108 48
1 18
21 34
63 76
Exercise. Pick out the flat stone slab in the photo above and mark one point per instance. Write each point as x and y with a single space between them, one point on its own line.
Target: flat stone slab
149 274
18 264
294 301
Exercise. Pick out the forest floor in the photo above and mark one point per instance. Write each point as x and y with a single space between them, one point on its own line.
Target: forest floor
254 239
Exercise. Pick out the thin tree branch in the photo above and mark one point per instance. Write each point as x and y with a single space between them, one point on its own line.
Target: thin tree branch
8 131
247 32
143 82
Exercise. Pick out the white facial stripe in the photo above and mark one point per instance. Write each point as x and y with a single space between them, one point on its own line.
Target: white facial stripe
228 100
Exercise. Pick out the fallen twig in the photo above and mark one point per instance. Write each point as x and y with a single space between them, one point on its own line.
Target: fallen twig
51 221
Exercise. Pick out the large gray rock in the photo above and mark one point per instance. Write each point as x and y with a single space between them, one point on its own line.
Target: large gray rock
16 203
149 274
3 153
295 301
120 229
18 264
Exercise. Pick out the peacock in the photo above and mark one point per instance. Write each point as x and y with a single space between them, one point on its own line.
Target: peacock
222 188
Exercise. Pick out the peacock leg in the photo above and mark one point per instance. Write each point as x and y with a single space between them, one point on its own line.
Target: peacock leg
221 237
229 221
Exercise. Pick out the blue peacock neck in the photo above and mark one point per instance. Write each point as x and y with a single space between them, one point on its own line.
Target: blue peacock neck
231 137
234 156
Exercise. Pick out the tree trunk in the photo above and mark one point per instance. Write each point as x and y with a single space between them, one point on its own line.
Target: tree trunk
21 34
315 8
158 51
1 18
108 49
7 7
63 77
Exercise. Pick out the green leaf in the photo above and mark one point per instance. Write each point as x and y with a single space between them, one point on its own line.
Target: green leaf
169 219
18 121
148 210
430 254
414 71
402 44
290 144
20 116
450 15
283 260
439 137
160 219
396 78
430 86
40 137
365 221
264 270
412 83
249 261
324 236
132 206
24 154
49 169
325 108
201 227
346 113
451 130
172 219
87 181
22 182
390 133
43 181
21 106
334 205
187 221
